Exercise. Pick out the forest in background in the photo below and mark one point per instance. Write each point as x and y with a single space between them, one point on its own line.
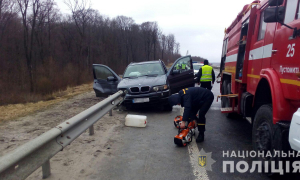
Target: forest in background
43 50
198 59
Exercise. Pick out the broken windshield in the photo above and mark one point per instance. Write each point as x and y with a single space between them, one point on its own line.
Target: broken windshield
147 69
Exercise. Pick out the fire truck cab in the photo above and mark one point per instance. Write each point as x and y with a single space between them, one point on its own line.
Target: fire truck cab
260 77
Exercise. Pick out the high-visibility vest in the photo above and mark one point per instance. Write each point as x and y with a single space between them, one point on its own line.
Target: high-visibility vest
183 66
177 67
206 73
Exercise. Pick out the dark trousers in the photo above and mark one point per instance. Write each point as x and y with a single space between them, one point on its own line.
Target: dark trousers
206 85
202 112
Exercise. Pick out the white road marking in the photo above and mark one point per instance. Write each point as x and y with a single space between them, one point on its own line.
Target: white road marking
194 153
215 108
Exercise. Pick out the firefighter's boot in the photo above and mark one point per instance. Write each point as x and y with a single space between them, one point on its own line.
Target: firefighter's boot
200 137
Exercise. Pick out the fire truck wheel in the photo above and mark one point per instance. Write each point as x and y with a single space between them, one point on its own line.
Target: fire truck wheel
266 137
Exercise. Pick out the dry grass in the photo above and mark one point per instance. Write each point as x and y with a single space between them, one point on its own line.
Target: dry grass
169 65
13 111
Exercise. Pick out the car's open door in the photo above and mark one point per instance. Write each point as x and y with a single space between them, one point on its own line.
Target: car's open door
181 74
105 80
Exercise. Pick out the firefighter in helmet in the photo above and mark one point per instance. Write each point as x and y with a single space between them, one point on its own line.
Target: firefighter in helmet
206 76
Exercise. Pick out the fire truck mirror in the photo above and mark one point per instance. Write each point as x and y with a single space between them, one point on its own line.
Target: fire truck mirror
275 2
274 14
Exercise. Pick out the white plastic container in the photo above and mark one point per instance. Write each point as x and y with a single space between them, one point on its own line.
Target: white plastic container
135 120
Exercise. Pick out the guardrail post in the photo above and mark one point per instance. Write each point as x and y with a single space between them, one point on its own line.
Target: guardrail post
110 113
46 169
91 130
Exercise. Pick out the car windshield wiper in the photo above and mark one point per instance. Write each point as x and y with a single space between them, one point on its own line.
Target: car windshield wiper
152 75
131 77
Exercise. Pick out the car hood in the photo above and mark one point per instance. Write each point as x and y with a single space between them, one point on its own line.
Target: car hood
143 81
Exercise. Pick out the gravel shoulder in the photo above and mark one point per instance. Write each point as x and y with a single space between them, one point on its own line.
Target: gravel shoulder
76 160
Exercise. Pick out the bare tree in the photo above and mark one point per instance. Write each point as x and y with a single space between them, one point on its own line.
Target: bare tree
163 45
29 21
134 41
150 30
177 48
154 34
45 18
44 51
125 24
170 44
80 12
8 11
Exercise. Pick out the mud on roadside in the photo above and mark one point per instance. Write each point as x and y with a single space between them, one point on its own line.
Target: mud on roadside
74 161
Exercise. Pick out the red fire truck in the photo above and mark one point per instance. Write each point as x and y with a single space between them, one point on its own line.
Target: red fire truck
260 77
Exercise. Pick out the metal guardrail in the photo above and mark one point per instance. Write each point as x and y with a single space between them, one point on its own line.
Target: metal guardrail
216 67
24 160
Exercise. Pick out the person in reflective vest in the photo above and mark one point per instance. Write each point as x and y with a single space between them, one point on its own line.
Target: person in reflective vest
183 66
177 66
206 76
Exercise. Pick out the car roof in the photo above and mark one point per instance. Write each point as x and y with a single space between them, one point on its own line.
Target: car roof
144 62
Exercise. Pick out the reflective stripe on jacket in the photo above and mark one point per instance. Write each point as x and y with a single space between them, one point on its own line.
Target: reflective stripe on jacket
206 73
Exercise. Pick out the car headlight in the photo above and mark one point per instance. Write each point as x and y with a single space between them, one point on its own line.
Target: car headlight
160 88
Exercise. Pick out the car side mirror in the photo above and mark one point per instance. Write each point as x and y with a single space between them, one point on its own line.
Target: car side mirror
275 2
111 78
174 72
274 14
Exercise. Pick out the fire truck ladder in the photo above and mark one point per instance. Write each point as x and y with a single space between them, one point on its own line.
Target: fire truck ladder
232 108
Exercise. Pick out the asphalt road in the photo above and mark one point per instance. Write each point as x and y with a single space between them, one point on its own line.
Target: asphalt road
150 153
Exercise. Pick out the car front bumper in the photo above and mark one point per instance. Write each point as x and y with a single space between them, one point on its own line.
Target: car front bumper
294 135
155 98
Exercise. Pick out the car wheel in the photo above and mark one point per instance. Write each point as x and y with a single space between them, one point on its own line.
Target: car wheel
128 107
168 108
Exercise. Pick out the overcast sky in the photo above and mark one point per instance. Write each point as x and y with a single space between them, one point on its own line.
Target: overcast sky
198 25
